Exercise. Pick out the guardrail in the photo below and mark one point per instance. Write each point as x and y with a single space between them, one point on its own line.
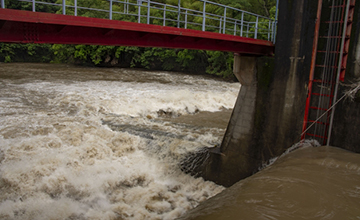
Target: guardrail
210 16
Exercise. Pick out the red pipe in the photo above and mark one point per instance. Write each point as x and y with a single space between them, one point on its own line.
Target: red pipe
312 68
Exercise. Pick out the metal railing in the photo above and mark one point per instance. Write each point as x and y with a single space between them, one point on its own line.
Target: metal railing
209 16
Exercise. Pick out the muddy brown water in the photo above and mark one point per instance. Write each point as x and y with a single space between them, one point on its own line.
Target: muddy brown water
90 143
310 183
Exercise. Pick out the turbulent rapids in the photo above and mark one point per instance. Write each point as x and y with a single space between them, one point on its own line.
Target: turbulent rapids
87 143
83 143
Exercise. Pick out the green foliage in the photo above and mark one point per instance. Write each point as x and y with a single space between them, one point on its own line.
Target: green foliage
25 52
16 4
185 57
220 63
63 53
166 57
6 52
261 7
94 54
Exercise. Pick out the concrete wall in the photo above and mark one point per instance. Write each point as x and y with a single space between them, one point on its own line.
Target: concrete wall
267 117
236 158
346 130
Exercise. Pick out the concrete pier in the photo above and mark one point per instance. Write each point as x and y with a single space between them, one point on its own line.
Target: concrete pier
267 117
268 114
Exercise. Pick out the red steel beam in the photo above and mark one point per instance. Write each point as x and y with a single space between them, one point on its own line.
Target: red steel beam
18 26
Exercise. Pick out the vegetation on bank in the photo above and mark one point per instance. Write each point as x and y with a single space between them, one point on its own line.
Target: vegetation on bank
196 61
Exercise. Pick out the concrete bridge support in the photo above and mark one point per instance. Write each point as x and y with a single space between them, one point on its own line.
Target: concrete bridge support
235 155
268 114
267 117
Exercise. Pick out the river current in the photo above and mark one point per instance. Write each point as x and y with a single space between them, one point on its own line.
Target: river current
309 183
95 143
91 143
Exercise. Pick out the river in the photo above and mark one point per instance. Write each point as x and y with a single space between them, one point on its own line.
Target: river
105 143
95 143
309 183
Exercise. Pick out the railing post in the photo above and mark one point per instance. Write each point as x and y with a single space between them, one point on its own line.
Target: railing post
242 24
235 27
224 26
269 30
178 18
256 26
247 30
33 5
164 22
204 16
148 12
2 3
186 18
127 6
273 31
63 7
275 22
75 10
139 10
220 25
110 10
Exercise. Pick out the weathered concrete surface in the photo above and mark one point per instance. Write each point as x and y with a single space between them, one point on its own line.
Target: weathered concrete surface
238 161
268 114
353 70
244 69
346 130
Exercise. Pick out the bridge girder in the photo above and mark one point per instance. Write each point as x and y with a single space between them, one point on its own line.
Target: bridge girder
36 27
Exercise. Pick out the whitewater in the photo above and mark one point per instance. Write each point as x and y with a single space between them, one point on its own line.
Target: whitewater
95 143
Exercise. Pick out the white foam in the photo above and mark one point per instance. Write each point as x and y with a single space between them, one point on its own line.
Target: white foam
59 161
182 95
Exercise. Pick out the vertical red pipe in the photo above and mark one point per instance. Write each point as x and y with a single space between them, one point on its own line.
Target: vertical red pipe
347 43
312 68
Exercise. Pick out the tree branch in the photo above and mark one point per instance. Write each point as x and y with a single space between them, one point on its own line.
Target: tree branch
264 3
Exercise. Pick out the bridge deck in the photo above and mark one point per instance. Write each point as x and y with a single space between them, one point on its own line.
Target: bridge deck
18 26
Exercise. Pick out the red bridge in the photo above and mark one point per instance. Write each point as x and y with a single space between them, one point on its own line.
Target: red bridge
17 26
